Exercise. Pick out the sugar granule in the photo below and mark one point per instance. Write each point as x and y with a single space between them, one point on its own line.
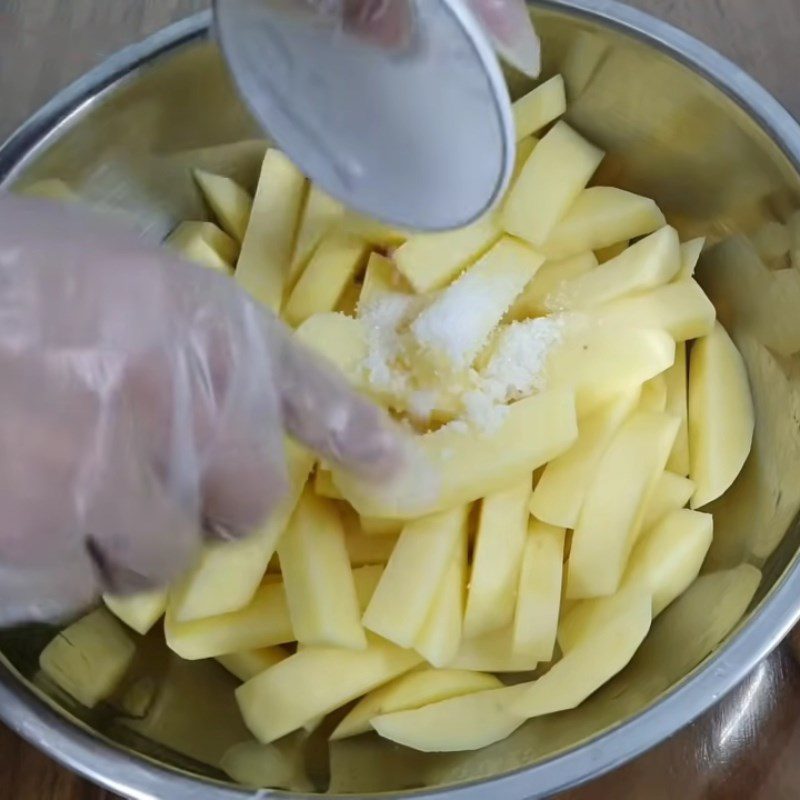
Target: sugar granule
518 363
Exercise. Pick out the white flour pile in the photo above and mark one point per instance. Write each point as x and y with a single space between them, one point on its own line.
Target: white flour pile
399 329
516 369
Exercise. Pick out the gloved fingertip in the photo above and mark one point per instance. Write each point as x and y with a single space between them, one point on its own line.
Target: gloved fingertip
115 578
414 485
241 485
523 52
369 444
385 23
509 24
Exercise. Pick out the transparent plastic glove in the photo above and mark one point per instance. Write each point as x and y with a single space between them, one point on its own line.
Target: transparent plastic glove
389 24
143 407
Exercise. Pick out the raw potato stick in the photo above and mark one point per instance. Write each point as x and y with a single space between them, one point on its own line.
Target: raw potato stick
606 531
496 560
315 681
264 261
554 175
461 466
721 416
412 690
539 107
316 572
230 203
415 571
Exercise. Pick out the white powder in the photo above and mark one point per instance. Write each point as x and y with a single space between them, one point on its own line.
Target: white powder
515 369
383 318
421 405
483 412
517 365
460 321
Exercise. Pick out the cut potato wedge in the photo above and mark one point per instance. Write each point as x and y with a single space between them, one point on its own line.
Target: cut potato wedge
585 618
651 262
668 557
459 322
721 417
539 597
89 658
315 681
547 281
225 246
138 611
654 395
602 216
228 575
467 722
496 559
677 378
198 251
265 622
412 690
459 465
690 255
409 585
320 213
681 308
524 149
380 278
663 565
493 652
194 239
440 636
333 265
249 663
599 363
431 260
317 577
263 266
671 493
539 107
339 339
606 531
599 653
554 175
561 489
228 201
377 234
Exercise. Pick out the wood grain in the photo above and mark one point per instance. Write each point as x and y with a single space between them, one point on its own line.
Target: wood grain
44 44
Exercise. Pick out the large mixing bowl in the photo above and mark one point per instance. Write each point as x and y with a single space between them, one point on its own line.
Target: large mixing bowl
679 123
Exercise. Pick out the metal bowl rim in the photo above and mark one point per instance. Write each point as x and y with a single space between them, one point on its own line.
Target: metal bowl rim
138 777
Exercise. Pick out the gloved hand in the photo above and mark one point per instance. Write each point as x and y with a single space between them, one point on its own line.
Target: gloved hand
143 406
389 23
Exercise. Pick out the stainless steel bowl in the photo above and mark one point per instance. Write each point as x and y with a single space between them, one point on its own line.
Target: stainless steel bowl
679 123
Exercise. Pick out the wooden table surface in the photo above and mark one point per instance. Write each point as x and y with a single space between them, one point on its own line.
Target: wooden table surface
46 43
